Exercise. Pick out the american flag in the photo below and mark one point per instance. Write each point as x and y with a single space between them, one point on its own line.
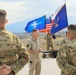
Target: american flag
48 25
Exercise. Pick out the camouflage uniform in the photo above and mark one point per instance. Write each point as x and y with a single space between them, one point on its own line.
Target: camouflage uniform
66 58
48 38
63 42
35 61
12 51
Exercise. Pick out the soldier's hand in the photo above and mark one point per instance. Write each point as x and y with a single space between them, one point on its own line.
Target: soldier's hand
39 51
2 73
1 67
30 50
6 70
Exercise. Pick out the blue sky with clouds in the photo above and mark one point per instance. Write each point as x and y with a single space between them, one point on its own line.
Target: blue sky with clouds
23 9
26 10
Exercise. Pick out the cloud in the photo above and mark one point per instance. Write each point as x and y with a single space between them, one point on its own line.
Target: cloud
18 11
22 9
72 14
71 5
15 10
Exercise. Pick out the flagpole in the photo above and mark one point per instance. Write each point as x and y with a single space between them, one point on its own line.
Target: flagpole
58 8
55 11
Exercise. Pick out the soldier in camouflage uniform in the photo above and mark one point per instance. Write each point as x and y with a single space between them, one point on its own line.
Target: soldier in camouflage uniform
66 58
49 42
13 56
33 47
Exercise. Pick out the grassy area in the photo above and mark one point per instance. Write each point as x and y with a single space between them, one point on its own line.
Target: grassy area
56 42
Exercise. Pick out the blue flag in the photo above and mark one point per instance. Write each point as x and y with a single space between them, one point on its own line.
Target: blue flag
60 20
38 23
48 20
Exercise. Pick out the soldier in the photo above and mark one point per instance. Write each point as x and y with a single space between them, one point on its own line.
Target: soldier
33 47
66 58
49 42
13 56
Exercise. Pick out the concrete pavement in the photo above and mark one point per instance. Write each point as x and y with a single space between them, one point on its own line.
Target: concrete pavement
49 67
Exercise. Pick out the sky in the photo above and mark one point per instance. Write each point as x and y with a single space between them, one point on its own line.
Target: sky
19 10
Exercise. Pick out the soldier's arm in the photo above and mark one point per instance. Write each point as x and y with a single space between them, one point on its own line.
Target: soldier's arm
29 46
45 36
63 63
22 57
63 42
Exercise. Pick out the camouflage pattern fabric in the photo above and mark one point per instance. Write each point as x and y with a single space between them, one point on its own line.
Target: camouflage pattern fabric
66 58
12 51
49 42
63 42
